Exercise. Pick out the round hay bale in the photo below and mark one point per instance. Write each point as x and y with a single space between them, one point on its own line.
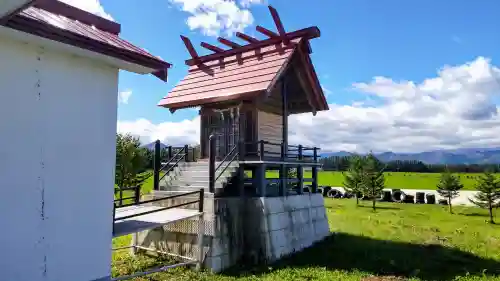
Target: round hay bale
430 198
386 196
409 199
334 193
320 190
420 198
443 202
398 195
348 195
365 197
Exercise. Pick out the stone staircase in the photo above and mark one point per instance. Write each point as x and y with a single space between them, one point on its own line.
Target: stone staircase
192 176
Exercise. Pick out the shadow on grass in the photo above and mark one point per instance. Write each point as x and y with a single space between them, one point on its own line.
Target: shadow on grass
368 207
474 215
380 207
384 258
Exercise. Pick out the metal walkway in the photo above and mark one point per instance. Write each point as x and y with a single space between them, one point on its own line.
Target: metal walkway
152 220
139 216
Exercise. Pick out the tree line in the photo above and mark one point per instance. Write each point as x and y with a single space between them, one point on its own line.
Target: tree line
134 164
365 176
341 163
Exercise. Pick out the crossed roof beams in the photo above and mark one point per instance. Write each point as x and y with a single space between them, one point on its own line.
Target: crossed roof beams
273 37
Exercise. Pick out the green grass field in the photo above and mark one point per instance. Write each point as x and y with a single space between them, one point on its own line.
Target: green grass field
397 242
393 180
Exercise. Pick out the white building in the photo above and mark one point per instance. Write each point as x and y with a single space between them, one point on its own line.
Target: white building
58 110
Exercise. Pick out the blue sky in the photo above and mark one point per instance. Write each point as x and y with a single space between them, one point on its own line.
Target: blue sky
406 42
360 39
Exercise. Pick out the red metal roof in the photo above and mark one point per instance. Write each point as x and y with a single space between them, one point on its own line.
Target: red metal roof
244 71
247 73
61 22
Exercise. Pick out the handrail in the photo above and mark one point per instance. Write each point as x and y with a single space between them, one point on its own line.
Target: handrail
161 199
200 202
212 169
225 157
227 166
172 167
136 197
172 158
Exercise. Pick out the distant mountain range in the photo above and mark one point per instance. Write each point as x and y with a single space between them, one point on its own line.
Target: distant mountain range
452 156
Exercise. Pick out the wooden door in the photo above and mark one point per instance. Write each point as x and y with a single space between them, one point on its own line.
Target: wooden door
224 127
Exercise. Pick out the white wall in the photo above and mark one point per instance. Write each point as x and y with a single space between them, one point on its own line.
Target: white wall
57 155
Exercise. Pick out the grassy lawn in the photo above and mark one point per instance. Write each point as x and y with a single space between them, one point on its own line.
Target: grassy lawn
397 242
393 180
146 188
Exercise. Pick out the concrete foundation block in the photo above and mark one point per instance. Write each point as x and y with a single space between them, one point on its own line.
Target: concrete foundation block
317 200
264 229
214 264
271 205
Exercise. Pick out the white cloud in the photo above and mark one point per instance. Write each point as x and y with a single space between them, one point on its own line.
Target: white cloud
172 133
454 109
124 96
213 17
248 3
91 6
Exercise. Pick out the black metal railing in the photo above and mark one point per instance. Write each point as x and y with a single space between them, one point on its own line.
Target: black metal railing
174 156
199 201
120 192
216 172
264 150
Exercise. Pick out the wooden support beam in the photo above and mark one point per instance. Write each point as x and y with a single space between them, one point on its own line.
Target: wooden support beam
279 25
228 43
307 90
246 37
189 47
312 77
267 32
306 34
212 48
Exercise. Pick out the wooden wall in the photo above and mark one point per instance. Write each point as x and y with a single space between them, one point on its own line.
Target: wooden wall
270 128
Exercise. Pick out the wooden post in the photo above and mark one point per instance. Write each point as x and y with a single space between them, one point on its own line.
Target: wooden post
300 172
170 155
137 195
260 181
283 172
186 151
284 148
284 95
241 170
121 196
202 198
157 165
315 172
211 165
261 149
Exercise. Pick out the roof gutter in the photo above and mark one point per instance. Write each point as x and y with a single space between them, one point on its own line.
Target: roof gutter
33 27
